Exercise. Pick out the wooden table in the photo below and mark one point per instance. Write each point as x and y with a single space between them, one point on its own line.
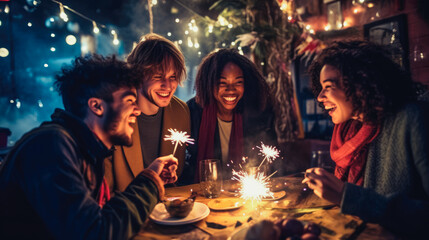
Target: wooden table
299 202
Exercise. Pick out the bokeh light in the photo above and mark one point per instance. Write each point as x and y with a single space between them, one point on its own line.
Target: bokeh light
71 40
4 52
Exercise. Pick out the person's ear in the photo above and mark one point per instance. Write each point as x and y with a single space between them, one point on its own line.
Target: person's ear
95 105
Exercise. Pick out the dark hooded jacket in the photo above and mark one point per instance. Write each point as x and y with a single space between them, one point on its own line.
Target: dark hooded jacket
50 181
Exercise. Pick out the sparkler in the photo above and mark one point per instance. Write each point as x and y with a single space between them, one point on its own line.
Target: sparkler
269 152
178 137
253 186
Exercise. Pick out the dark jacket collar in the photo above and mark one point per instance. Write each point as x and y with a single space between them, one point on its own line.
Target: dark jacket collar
87 141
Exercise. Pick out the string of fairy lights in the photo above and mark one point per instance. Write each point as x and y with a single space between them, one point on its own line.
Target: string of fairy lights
190 38
191 32
95 25
70 39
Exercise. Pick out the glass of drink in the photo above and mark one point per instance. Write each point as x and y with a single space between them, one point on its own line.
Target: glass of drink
210 177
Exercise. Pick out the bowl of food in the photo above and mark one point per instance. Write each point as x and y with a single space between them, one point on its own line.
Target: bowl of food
179 207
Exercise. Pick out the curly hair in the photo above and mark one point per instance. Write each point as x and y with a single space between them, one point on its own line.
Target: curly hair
155 53
256 92
93 76
371 80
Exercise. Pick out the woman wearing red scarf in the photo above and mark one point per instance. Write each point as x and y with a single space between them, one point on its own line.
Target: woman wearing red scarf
380 141
231 112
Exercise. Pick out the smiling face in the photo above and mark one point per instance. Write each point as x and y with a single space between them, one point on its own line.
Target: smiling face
120 114
230 89
157 91
333 96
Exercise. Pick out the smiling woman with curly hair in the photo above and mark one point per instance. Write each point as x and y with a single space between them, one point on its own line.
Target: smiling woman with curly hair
375 85
380 142
231 112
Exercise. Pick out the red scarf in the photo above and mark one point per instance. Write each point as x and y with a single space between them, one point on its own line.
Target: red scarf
104 195
349 149
206 136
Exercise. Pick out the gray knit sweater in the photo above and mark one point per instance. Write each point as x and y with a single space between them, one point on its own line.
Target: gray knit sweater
396 180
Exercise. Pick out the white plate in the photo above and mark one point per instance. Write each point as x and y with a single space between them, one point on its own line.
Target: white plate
161 216
225 204
276 196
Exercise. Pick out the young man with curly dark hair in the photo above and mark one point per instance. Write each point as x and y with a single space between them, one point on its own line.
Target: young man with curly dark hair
52 182
380 142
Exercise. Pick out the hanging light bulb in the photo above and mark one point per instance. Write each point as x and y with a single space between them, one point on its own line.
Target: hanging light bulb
63 15
18 103
222 21
115 37
115 40
6 9
328 27
240 51
95 29
190 43
283 6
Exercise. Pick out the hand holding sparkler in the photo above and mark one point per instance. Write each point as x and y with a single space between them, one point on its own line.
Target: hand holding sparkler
165 167
178 137
269 152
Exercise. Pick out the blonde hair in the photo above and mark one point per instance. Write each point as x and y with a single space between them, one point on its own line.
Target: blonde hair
155 53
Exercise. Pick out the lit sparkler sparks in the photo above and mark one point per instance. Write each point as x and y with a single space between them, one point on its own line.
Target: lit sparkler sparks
178 137
269 152
253 186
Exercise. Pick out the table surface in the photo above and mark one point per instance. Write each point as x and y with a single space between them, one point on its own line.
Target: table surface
299 202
